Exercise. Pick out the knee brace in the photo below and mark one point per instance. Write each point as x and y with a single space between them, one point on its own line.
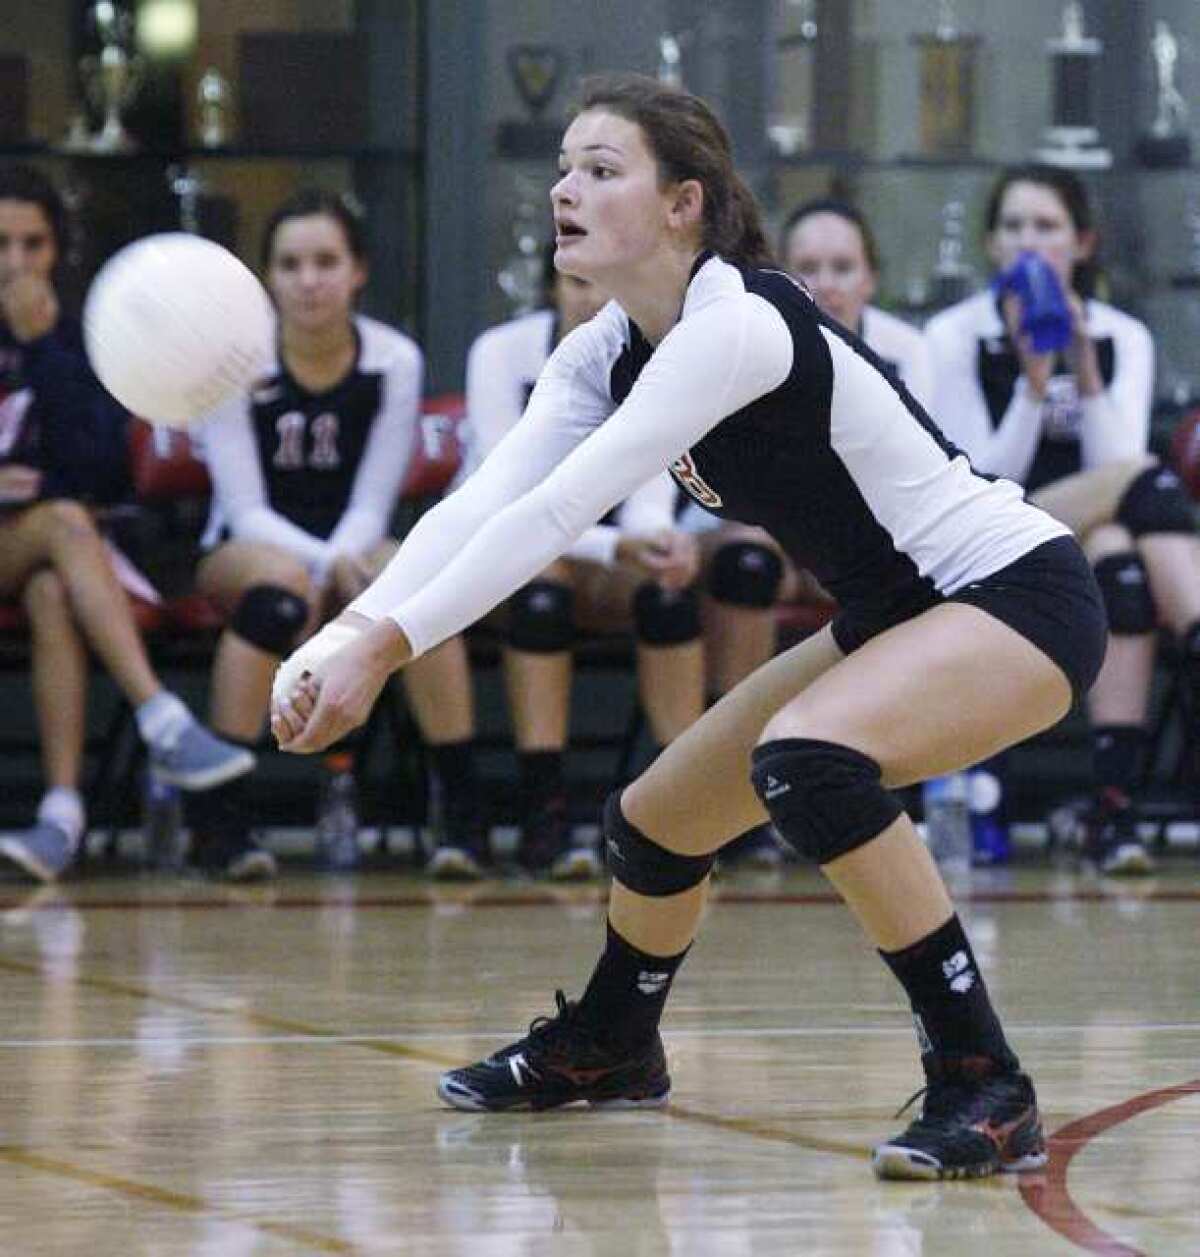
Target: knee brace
664 617
1126 594
540 618
745 574
1156 502
643 866
269 617
825 799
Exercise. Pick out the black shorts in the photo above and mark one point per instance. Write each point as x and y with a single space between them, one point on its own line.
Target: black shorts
1049 596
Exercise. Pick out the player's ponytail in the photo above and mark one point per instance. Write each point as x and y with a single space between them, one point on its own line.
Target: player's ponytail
689 142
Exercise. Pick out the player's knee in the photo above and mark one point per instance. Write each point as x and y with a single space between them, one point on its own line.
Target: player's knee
71 518
1156 503
269 617
663 617
825 799
745 574
541 618
1126 592
640 864
44 593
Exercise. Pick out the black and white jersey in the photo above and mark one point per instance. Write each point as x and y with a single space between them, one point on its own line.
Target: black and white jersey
318 473
982 402
502 369
765 411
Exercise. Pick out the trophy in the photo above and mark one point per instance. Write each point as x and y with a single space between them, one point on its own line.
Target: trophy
670 68
790 125
947 77
112 77
953 278
1072 138
212 104
522 277
1167 143
535 70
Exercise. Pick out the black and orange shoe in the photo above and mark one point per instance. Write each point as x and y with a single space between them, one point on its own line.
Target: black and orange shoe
561 1062
977 1119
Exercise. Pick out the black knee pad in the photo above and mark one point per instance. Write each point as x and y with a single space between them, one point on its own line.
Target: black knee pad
663 617
1126 592
745 574
541 618
1156 502
643 866
270 617
825 799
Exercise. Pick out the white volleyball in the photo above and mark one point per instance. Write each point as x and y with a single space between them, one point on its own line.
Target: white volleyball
174 324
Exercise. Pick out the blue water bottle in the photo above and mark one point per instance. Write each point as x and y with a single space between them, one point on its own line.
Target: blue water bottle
989 830
1045 314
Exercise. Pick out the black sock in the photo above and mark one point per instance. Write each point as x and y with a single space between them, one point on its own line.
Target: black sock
541 774
223 811
1117 757
950 1003
626 995
453 764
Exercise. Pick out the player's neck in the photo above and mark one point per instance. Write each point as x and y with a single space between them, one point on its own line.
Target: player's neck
318 358
652 295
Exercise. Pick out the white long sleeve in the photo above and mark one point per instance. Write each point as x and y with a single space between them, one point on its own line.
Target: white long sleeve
564 465
385 458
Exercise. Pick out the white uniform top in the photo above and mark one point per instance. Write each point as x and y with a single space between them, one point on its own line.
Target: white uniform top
983 403
765 411
502 369
317 474
904 346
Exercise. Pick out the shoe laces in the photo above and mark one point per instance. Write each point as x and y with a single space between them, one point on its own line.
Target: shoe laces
953 1092
560 1029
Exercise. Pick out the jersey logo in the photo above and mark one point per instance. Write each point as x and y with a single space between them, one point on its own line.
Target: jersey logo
291 428
691 481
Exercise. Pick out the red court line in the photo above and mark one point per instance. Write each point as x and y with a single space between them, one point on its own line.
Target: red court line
534 899
1048 1194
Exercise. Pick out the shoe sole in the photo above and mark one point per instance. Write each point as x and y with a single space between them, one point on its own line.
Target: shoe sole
21 856
259 866
575 866
1130 861
453 865
465 1102
897 1163
205 779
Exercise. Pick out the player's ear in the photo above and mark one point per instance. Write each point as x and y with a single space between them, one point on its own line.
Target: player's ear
687 203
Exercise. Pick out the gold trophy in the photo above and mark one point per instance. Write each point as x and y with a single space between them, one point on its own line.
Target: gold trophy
112 77
947 61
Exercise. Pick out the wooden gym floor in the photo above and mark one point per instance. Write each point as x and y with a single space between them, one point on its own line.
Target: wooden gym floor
196 1070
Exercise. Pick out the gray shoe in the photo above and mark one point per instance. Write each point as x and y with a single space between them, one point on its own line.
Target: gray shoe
200 760
43 851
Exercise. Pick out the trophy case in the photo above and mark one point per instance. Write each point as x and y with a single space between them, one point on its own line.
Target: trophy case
196 115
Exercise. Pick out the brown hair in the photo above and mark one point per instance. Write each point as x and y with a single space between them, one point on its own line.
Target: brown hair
841 209
688 142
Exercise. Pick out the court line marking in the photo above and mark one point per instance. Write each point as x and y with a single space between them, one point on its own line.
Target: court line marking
1048 1194
736 898
182 1202
458 1036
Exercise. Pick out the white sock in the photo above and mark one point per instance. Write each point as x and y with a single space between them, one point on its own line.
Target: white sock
63 807
161 720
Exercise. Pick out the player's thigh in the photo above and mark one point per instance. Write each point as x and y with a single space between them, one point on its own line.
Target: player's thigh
938 692
1089 498
26 537
697 793
231 569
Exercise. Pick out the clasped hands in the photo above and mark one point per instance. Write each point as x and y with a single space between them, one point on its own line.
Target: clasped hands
328 686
